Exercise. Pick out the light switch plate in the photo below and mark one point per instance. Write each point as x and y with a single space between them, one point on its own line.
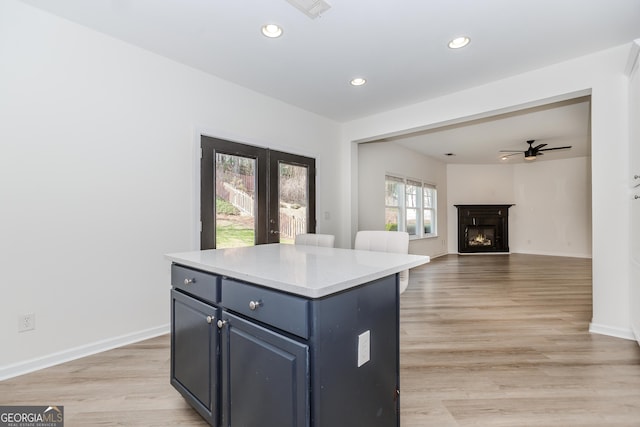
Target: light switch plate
364 348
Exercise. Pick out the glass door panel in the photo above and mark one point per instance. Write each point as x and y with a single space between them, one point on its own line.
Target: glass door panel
292 194
293 200
235 196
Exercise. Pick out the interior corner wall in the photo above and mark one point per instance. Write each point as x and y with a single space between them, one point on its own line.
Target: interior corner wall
552 203
602 75
375 160
477 184
97 180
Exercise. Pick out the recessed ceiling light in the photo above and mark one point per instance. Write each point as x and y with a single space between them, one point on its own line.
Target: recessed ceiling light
459 42
358 81
272 30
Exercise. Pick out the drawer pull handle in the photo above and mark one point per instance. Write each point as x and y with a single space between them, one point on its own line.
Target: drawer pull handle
221 323
189 281
254 304
210 319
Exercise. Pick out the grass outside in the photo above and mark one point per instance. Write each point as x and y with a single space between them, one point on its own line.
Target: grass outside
233 236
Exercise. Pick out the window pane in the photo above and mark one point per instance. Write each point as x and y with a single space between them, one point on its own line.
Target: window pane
293 201
428 221
412 199
392 193
428 197
411 221
391 219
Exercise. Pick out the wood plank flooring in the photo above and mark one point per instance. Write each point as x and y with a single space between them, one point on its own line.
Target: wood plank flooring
502 341
485 341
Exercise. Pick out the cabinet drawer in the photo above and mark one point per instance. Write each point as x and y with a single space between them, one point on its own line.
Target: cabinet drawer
283 311
205 286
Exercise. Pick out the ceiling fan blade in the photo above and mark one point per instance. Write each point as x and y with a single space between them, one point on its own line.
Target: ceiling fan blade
515 153
539 147
510 151
555 148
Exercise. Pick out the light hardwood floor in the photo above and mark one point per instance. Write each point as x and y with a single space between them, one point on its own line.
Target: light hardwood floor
485 341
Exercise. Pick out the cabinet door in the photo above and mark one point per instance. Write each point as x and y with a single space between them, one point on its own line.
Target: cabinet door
265 377
194 353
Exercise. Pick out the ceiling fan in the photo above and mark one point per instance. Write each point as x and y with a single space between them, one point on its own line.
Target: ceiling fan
531 152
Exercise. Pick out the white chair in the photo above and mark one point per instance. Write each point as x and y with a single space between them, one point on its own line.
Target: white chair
385 241
326 240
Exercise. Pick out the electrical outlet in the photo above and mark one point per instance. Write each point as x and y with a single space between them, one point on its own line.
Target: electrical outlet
364 348
26 322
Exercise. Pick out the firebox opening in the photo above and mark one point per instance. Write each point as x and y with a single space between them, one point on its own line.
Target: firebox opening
481 236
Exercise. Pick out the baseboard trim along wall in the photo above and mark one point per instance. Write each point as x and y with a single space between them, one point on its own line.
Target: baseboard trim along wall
627 334
36 364
558 254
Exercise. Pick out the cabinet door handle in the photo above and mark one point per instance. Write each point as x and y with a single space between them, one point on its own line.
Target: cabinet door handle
210 319
254 304
189 281
221 323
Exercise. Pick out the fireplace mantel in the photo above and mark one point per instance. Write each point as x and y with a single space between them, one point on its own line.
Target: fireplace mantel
483 228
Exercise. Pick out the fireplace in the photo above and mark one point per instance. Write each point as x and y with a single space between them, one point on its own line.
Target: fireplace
483 228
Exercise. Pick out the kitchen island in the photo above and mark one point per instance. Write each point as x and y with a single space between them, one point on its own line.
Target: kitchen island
284 335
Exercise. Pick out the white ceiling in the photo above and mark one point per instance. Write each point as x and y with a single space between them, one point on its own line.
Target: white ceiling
479 141
399 46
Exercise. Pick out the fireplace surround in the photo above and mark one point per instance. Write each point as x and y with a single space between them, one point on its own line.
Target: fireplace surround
483 228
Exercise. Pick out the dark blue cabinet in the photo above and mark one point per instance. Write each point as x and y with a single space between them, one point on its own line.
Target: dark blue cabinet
265 376
195 343
245 355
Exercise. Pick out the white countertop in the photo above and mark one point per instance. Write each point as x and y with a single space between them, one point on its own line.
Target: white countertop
309 271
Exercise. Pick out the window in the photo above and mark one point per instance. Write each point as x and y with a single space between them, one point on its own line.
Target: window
410 205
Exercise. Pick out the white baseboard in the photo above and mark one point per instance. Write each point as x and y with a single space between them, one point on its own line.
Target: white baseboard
38 363
627 334
438 255
557 254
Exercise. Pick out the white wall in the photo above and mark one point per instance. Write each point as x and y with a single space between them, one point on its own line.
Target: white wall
552 203
552 215
378 159
602 75
97 180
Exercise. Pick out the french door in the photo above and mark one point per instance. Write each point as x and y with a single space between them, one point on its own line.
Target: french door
251 195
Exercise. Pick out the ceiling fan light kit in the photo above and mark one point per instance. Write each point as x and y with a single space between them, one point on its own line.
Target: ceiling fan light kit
532 152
